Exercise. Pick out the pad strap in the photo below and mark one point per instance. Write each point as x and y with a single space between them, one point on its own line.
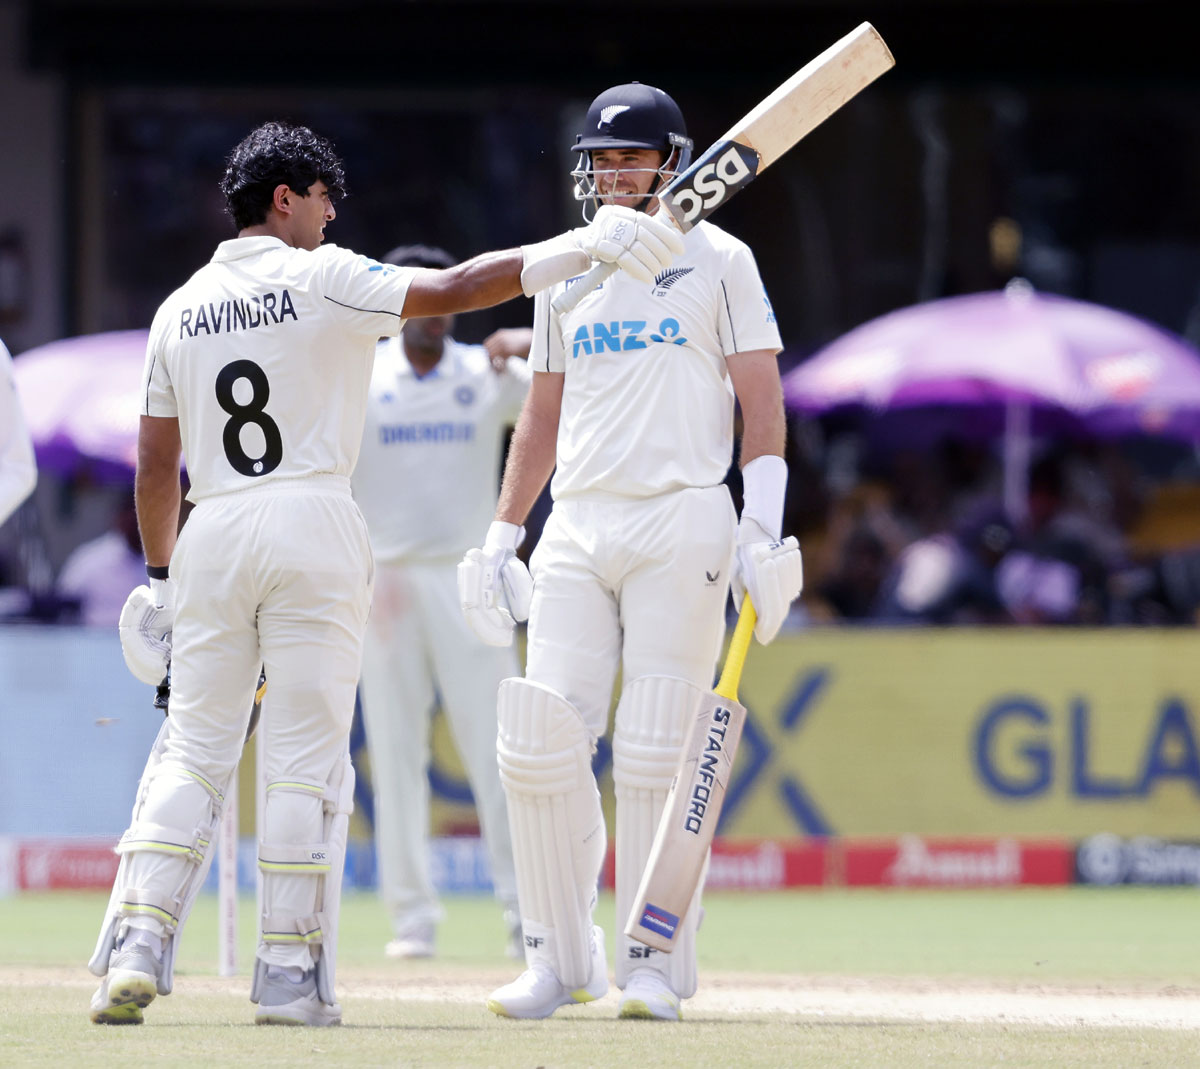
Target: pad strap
160 839
141 902
291 930
296 859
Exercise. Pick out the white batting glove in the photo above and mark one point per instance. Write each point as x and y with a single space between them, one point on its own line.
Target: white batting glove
637 243
771 571
147 620
494 586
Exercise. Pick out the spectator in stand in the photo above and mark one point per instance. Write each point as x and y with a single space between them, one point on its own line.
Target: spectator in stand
951 578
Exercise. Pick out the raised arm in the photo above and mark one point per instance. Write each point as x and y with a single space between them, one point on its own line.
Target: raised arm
636 243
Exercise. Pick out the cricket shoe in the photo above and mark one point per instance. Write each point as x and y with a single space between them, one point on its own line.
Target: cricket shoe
413 942
538 992
128 987
648 997
294 1002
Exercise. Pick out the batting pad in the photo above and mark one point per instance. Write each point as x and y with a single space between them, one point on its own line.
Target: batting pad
301 856
558 833
651 719
165 855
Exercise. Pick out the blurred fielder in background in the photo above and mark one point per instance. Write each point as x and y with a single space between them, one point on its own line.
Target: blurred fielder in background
437 418
259 368
18 471
633 397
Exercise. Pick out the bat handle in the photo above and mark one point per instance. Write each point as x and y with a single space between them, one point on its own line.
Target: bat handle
572 295
739 646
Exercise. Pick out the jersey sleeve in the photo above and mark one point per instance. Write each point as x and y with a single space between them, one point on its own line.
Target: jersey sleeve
746 320
158 394
368 294
547 353
18 472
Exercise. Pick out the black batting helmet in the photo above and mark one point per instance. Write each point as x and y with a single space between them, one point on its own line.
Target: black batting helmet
635 116
631 116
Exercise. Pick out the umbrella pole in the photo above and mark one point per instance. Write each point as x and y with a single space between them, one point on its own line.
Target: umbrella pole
1017 448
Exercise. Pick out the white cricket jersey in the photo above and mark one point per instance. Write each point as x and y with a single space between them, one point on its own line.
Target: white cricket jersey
265 356
647 402
429 468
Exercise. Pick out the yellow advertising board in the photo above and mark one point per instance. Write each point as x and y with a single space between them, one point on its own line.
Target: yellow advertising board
970 732
962 732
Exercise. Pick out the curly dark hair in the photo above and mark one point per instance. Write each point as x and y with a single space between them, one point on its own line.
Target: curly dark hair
276 154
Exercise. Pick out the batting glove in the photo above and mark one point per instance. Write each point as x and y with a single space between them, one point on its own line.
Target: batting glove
147 620
494 586
771 571
637 243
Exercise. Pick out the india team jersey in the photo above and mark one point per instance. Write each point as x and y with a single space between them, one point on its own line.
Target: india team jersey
647 403
265 356
429 468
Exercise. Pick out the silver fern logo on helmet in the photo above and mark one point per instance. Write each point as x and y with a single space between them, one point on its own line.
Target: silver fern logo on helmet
630 116
611 112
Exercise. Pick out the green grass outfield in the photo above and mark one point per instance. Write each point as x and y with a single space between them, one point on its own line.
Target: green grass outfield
1030 977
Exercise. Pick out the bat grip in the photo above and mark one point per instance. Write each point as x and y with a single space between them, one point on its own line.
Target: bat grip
572 295
739 646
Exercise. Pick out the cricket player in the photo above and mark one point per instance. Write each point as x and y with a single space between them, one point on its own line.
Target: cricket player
633 398
258 369
438 415
18 471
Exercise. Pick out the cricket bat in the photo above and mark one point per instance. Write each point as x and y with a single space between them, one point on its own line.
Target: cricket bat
760 137
693 806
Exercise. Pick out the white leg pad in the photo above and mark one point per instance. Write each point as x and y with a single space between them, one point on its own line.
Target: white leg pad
302 856
165 855
651 719
559 839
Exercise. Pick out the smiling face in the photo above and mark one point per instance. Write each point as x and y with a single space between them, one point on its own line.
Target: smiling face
625 175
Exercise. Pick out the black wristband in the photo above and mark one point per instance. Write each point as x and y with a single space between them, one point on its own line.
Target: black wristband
155 571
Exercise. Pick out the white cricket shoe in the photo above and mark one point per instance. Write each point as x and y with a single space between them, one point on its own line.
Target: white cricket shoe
294 1002
128 987
413 942
538 992
648 997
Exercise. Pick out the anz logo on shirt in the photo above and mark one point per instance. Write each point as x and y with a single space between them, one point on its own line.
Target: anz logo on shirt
620 336
770 310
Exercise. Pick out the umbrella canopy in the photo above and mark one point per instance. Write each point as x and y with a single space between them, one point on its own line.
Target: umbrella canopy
1074 363
80 400
1007 364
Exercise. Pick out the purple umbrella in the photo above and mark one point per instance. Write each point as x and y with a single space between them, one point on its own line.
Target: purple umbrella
80 399
1009 362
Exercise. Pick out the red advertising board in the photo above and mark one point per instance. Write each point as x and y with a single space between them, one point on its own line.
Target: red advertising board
763 865
913 861
65 864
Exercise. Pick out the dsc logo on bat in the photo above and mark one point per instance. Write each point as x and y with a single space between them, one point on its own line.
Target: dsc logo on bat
722 171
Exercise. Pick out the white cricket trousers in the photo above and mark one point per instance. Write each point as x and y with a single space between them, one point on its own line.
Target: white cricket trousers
639 584
418 649
278 575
